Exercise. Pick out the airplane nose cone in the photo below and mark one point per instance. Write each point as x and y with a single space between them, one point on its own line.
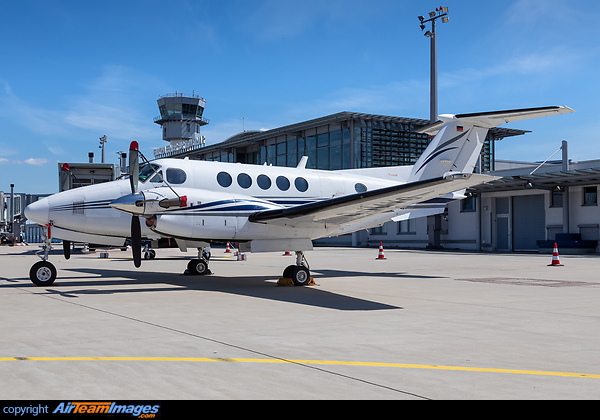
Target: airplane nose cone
38 212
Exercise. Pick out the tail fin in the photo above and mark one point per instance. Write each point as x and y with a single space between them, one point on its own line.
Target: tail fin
459 138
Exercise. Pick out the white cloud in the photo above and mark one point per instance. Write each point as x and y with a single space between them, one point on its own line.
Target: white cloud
36 161
30 161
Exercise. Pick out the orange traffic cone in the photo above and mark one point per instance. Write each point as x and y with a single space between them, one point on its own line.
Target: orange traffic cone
227 250
555 260
380 256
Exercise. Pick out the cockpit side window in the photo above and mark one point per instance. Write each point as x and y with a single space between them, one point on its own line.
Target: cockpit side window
157 178
176 176
146 170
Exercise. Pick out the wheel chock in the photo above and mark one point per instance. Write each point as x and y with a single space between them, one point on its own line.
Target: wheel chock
285 281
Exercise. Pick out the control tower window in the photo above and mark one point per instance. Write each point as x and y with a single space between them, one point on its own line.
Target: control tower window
173 109
189 109
176 176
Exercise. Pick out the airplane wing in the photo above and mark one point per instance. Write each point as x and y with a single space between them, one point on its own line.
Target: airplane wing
351 209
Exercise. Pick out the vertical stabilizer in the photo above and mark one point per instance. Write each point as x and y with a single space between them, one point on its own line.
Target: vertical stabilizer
459 138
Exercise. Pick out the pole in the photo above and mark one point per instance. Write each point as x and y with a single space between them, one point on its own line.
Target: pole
433 107
565 167
11 211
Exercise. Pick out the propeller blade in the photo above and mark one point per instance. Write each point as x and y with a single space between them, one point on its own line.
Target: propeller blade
134 165
67 249
136 241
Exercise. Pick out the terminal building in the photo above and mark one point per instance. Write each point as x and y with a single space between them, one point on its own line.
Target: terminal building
520 212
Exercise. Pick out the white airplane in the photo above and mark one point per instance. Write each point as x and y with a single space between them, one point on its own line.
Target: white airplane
265 208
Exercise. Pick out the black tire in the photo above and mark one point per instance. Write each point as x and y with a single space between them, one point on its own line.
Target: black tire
152 254
300 276
42 273
198 267
287 273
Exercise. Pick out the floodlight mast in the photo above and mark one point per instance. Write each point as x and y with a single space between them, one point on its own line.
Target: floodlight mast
440 12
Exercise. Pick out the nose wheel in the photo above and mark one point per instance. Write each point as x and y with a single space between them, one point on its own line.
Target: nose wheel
42 273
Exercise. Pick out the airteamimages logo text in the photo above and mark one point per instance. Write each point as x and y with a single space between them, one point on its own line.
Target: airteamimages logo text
142 411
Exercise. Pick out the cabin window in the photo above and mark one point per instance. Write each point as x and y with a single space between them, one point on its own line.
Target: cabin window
244 180
176 176
224 179
282 183
264 182
360 188
301 184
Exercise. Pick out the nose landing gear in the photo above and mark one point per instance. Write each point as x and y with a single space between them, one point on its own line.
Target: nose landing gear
43 273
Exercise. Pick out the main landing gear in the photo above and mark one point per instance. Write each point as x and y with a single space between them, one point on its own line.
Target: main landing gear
199 266
299 274
43 273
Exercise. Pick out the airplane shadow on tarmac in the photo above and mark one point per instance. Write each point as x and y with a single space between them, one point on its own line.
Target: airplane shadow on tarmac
106 281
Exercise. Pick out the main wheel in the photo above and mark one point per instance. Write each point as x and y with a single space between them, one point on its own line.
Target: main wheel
300 275
287 273
198 267
42 273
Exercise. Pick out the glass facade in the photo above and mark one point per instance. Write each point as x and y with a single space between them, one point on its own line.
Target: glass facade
351 142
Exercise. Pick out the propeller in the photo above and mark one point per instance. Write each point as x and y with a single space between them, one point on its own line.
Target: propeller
136 232
67 249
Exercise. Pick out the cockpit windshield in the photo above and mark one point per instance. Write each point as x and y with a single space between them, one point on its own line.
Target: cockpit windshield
146 170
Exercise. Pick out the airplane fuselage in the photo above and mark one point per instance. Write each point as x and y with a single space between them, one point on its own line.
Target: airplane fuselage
220 198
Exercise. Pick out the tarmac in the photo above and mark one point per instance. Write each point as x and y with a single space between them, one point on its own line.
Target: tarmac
419 325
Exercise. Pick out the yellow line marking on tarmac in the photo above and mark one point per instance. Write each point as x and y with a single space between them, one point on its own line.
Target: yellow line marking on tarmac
307 362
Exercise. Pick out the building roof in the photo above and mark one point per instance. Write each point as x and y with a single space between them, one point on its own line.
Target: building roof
543 181
340 117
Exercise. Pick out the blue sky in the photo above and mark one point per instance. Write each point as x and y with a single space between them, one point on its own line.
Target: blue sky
72 71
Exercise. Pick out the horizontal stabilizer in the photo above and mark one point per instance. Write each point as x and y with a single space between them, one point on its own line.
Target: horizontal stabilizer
495 118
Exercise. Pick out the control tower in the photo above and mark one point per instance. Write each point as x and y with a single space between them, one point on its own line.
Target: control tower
180 119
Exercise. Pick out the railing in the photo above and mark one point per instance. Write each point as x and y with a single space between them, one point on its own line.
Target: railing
181 117
181 95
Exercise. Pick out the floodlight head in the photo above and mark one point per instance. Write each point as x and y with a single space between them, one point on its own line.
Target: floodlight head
444 9
445 19
421 18
428 34
431 14
422 26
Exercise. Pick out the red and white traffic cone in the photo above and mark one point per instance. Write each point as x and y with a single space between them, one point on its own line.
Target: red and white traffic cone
227 250
555 260
380 256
